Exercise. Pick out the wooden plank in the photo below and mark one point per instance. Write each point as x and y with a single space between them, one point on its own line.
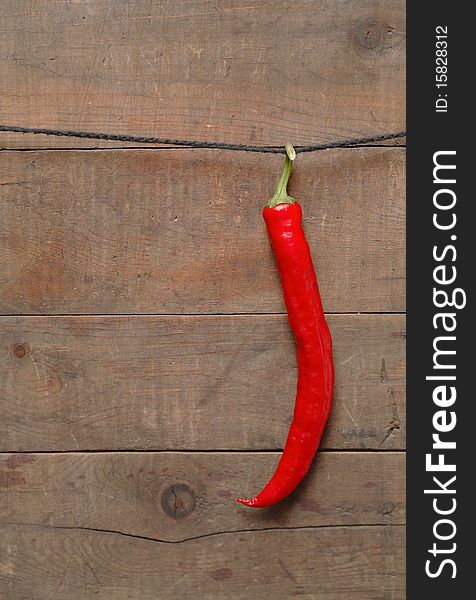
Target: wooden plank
180 231
330 564
234 70
207 382
176 496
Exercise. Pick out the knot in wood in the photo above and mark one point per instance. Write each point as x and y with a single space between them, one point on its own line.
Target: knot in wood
178 500
21 350
369 34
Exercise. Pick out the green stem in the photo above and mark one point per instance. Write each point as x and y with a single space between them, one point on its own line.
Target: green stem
281 194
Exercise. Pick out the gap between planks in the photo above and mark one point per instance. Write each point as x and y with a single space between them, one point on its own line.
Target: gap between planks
191 315
202 451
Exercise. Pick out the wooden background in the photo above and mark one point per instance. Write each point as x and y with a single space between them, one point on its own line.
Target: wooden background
147 370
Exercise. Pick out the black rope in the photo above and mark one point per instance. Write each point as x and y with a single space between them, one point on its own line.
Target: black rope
118 137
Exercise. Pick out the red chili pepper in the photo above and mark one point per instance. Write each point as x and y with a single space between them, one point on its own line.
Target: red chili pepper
283 217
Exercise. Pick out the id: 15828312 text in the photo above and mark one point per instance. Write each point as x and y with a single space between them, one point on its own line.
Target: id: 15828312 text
441 68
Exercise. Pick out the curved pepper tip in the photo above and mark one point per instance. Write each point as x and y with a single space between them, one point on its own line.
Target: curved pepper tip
247 502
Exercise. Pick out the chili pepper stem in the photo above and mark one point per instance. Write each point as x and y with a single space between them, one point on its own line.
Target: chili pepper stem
281 194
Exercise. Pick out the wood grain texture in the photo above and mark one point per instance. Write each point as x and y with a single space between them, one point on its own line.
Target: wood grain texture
176 496
210 382
238 71
189 356
181 231
364 563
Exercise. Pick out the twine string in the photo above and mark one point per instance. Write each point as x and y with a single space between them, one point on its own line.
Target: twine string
119 137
